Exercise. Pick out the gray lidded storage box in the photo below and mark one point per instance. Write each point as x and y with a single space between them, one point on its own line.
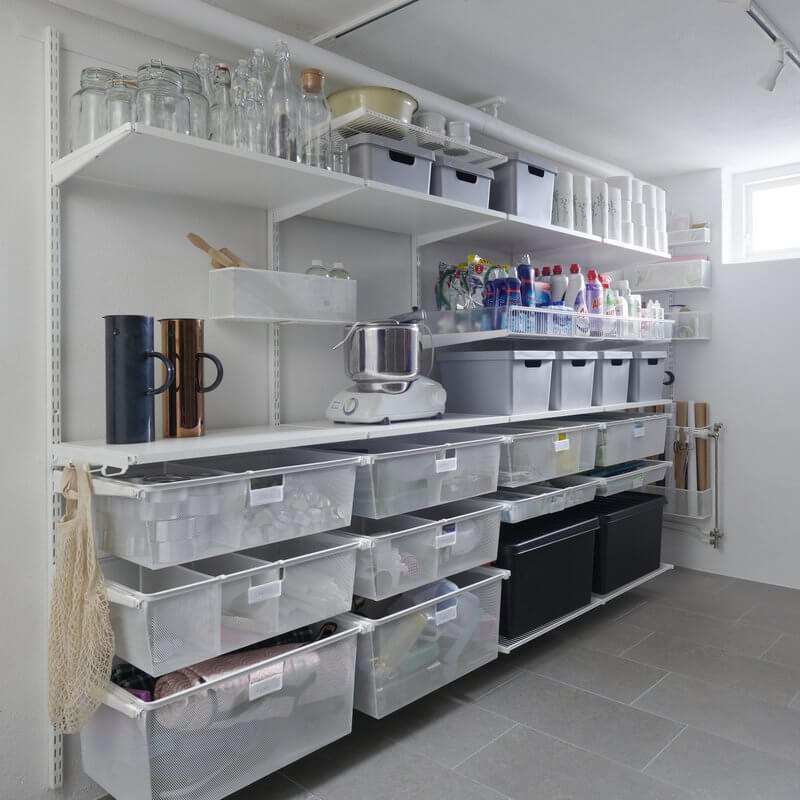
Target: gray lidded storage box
573 379
497 381
611 377
400 163
524 186
647 376
454 179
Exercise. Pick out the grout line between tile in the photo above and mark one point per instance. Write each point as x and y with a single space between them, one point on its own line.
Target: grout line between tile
622 653
790 705
741 618
650 689
664 748
474 700
779 637
483 747
630 611
299 786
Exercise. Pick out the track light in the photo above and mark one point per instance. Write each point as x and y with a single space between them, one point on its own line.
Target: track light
770 80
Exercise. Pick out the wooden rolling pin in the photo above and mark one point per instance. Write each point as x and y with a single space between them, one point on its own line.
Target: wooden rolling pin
219 258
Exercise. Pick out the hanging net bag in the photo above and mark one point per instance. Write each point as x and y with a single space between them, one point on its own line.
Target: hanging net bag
81 641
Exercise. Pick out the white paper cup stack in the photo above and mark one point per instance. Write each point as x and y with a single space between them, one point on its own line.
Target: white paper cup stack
563 200
600 208
614 213
582 202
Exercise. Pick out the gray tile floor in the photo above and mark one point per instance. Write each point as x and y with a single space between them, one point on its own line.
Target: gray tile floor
688 687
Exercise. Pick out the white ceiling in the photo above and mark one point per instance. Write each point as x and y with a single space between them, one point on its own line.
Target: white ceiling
659 86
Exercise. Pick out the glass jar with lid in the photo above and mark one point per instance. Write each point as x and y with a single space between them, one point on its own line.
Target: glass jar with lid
198 104
120 101
88 118
160 100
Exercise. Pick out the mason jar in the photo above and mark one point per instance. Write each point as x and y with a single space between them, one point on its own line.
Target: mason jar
198 104
120 102
88 118
160 100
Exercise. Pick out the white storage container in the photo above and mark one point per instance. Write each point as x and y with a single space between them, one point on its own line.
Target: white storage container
538 499
626 437
685 502
524 186
496 381
539 451
670 276
216 738
691 325
263 295
419 642
167 619
456 179
403 474
624 477
647 376
402 553
400 163
573 379
611 375
164 514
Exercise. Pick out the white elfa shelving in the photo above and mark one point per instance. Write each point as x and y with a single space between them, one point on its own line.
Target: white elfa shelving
690 326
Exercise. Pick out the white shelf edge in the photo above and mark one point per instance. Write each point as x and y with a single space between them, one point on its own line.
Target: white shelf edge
281 320
673 289
507 646
572 412
581 237
635 248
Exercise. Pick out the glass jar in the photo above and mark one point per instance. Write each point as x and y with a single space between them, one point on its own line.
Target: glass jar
203 67
198 105
160 100
88 118
120 102
339 157
315 120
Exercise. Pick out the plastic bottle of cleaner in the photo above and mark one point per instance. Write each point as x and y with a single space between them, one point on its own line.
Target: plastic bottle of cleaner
620 304
575 297
609 305
543 289
559 285
636 326
526 275
594 293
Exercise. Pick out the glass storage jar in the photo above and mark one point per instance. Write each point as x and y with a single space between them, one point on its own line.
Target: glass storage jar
160 100
88 107
120 102
198 105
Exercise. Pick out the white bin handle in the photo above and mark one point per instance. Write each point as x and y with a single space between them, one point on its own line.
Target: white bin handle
445 615
121 598
270 685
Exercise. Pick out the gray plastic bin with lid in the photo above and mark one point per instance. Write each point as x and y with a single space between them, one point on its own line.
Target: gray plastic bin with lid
400 163
455 179
573 379
524 186
497 381
647 376
611 377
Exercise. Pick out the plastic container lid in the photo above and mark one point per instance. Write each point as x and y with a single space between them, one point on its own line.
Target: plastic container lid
497 355
531 534
578 355
532 160
463 166
651 354
621 506
407 145
615 354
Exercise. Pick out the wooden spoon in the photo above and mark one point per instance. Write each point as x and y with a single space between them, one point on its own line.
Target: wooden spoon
216 255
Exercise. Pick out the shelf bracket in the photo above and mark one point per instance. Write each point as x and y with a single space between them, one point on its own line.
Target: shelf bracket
296 209
438 236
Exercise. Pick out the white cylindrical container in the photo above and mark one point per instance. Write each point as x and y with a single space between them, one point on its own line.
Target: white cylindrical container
563 200
625 184
582 202
649 195
651 217
626 211
661 199
651 238
662 219
614 213
627 232
638 213
662 241
636 191
639 235
600 208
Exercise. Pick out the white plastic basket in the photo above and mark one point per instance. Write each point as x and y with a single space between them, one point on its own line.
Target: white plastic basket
628 477
626 437
538 499
209 741
402 553
408 653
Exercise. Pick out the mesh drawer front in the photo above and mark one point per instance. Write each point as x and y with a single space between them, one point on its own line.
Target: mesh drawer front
212 742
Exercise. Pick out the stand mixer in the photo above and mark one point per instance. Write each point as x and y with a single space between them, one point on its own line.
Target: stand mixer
382 358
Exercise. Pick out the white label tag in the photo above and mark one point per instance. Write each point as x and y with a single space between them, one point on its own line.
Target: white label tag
638 430
446 614
638 480
264 591
447 464
274 683
560 445
261 496
446 539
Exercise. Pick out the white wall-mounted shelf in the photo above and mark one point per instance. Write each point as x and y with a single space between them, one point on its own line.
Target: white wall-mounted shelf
691 326
689 237
508 645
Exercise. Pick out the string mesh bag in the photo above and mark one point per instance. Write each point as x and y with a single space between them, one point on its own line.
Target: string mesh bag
81 640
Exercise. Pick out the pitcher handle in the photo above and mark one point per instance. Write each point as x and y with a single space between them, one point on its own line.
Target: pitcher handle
218 380
167 366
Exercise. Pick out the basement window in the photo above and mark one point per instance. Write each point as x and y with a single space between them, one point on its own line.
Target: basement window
768 206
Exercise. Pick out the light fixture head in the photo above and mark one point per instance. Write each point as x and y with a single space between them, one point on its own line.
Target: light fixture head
770 80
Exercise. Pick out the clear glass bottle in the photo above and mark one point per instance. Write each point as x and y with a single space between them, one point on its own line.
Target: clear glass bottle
202 66
317 268
252 134
338 271
339 155
88 118
198 105
282 108
120 103
315 120
222 121
260 68
160 100
238 94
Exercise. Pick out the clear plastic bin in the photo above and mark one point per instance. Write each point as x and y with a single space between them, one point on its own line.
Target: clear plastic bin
402 553
167 619
214 739
625 437
540 451
160 515
539 499
408 652
687 503
403 474
624 477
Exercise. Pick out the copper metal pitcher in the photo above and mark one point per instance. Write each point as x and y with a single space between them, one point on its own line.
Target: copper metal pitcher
184 404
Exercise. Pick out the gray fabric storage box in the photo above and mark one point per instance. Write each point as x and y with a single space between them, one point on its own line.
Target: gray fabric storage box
611 377
647 376
400 163
573 379
496 381
455 179
524 186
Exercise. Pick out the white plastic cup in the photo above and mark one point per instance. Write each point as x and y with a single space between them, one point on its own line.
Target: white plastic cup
431 120
563 200
600 208
459 131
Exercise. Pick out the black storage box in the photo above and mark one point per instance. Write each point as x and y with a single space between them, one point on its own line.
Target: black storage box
628 544
550 559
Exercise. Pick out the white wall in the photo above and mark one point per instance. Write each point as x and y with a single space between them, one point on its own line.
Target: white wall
748 374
